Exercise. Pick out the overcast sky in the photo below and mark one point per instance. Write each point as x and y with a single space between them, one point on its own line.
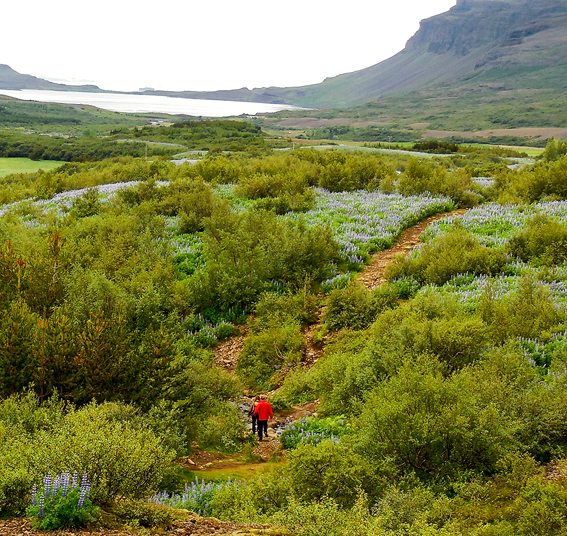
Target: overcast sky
206 44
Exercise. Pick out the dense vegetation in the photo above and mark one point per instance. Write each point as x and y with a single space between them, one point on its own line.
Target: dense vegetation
442 392
66 119
203 135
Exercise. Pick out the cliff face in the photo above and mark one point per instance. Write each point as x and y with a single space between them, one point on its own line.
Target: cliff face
475 23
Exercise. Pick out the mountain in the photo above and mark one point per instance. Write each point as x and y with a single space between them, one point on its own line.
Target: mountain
10 79
511 42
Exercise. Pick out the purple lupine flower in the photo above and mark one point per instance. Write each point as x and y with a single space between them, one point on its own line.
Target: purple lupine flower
75 479
47 482
34 495
41 503
65 483
56 484
85 488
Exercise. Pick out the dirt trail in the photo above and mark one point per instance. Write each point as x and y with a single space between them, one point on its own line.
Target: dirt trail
191 525
228 352
374 273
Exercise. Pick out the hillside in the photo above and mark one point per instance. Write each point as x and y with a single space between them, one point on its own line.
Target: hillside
11 79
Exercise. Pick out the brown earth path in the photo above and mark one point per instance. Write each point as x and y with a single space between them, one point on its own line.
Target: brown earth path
190 525
228 352
374 273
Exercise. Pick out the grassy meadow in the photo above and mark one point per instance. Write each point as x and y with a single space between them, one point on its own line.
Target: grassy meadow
9 166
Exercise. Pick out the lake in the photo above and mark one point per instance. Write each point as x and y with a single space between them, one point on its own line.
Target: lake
119 102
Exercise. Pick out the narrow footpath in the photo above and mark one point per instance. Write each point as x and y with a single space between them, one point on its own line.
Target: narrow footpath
374 274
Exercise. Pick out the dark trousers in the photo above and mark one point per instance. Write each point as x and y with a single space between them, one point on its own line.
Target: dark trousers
262 429
254 423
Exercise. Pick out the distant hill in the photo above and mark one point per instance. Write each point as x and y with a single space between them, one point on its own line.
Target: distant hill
10 79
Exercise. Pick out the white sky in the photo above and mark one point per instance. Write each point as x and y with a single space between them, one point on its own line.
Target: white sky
205 44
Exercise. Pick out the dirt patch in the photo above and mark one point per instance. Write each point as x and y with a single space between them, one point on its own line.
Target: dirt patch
528 132
190 526
228 352
374 273
201 460
301 123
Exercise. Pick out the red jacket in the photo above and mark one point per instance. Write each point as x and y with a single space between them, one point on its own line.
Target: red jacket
264 410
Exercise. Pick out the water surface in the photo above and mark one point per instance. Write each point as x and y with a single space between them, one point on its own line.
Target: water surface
120 102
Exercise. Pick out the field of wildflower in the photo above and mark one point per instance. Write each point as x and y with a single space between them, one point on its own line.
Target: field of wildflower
312 431
362 222
197 497
493 225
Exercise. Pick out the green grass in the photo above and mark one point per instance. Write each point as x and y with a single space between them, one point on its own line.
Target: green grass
25 165
530 151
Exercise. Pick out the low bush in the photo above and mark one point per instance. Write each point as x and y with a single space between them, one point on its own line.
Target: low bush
144 514
452 253
528 312
111 442
327 517
330 470
356 307
300 307
268 352
339 380
542 241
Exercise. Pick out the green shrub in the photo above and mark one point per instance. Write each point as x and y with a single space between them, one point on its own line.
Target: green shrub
300 306
330 470
125 459
266 354
297 389
248 252
542 241
434 426
340 379
528 312
327 517
398 507
88 204
356 307
252 502
431 323
541 508
144 514
452 253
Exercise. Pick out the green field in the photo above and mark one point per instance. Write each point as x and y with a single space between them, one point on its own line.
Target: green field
25 165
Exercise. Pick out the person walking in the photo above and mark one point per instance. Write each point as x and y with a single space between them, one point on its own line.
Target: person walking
264 412
253 407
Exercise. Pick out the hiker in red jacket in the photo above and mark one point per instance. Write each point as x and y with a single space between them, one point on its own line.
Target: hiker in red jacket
264 412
